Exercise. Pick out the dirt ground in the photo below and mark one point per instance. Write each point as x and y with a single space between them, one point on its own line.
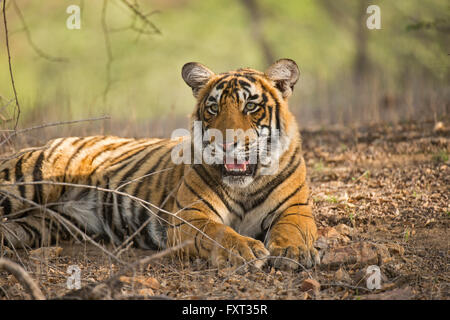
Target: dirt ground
381 197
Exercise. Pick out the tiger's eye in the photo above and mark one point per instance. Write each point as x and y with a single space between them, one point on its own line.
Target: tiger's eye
214 108
251 107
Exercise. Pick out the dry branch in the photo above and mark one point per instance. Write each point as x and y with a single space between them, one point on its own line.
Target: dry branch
18 154
30 39
53 124
70 227
23 277
10 66
143 17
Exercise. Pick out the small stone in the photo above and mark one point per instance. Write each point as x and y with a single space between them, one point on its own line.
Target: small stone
146 292
46 252
331 237
329 232
345 230
395 248
439 126
151 283
360 277
342 276
321 243
310 285
303 296
361 254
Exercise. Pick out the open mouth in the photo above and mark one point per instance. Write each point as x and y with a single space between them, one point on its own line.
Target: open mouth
238 169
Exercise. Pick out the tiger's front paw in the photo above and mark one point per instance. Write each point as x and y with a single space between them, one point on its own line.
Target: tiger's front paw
293 252
237 249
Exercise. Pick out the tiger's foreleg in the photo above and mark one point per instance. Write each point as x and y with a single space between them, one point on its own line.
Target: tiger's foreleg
213 240
292 235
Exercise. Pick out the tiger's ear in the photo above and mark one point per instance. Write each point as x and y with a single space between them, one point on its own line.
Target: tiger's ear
284 73
196 76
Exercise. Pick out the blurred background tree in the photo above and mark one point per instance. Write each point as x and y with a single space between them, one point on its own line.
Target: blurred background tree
120 65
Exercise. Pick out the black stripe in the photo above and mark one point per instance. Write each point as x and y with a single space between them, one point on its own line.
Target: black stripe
203 200
270 108
138 164
262 194
187 221
18 175
123 221
280 204
107 207
196 244
111 147
143 217
181 208
37 176
6 174
283 175
29 230
168 186
244 83
159 182
113 164
274 222
277 106
249 77
77 151
53 149
153 168
219 192
129 154
297 204
6 204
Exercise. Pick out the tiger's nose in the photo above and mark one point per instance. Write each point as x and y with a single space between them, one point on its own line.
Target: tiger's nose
228 146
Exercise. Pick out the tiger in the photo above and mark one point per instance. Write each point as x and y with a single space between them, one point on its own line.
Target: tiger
120 189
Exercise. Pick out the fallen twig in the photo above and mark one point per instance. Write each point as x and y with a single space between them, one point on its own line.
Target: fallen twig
23 277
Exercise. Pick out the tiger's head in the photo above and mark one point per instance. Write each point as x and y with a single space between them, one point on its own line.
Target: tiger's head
245 124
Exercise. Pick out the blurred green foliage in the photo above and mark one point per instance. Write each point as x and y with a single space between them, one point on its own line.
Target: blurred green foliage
145 69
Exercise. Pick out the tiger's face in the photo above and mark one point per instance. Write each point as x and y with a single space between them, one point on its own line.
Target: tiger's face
245 122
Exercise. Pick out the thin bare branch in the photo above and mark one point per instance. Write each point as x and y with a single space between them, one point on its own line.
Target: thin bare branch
124 194
23 277
10 66
142 177
39 51
265 258
70 227
143 262
53 124
142 16
18 154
